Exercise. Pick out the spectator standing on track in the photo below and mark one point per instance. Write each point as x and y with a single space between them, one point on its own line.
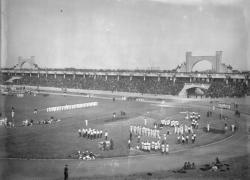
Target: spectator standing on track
130 136
80 132
208 127
13 115
129 144
138 139
111 144
167 149
232 127
145 121
192 138
66 173
226 128
106 135
187 137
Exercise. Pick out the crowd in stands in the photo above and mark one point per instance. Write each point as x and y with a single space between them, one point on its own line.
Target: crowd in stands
137 84
224 89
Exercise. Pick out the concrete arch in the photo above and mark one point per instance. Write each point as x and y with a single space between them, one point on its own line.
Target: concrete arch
208 65
192 60
183 92
22 61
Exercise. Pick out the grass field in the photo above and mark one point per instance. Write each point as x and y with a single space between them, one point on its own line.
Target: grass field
238 169
60 139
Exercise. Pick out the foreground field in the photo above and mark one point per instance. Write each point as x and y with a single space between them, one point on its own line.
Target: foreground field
60 139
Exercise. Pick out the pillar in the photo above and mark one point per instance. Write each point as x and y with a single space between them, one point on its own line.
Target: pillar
218 61
188 61
4 30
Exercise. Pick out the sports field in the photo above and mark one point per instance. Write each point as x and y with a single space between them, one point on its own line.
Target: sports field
60 140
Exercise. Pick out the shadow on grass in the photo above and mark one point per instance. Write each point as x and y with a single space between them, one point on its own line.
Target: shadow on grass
215 131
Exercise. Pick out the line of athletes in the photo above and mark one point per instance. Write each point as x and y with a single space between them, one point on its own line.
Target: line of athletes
92 133
154 146
144 131
69 107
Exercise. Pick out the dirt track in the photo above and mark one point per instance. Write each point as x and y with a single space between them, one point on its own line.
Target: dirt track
237 145
53 169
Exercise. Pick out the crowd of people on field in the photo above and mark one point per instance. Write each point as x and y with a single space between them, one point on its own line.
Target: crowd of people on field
85 155
96 134
90 133
47 121
155 146
144 131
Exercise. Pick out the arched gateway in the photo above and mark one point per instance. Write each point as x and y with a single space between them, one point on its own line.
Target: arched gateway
30 61
214 60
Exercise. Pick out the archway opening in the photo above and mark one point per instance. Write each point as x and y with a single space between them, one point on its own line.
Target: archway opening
202 66
195 91
27 65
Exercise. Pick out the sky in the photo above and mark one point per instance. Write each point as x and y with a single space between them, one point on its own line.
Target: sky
125 34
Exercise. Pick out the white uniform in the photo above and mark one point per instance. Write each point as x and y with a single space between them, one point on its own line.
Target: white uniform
167 148
162 148
232 127
12 114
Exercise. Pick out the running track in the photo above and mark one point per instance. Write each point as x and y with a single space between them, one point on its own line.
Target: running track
233 146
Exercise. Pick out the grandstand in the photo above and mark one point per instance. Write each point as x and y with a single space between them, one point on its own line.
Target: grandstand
143 82
46 116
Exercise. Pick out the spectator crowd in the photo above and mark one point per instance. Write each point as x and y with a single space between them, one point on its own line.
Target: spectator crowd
137 84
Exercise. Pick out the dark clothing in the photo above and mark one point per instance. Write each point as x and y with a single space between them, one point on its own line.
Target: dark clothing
66 174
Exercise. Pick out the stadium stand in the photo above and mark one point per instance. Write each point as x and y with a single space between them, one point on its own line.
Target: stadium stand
219 87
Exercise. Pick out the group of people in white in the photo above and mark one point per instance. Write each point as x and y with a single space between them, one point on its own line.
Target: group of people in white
184 139
3 121
154 146
86 155
145 131
181 129
169 123
194 117
186 133
91 133
27 122
70 107
149 145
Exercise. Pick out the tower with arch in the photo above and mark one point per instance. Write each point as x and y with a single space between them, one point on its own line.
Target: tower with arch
30 61
191 61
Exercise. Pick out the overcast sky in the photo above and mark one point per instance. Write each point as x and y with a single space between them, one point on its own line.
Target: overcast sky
126 33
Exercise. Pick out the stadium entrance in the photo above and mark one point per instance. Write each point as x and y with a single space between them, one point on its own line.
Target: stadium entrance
193 89
202 66
191 61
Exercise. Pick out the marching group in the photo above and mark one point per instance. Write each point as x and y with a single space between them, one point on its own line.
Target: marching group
154 146
185 134
91 134
148 146
185 131
144 131
70 107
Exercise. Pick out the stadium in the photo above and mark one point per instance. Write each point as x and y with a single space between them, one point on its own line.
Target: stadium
93 123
